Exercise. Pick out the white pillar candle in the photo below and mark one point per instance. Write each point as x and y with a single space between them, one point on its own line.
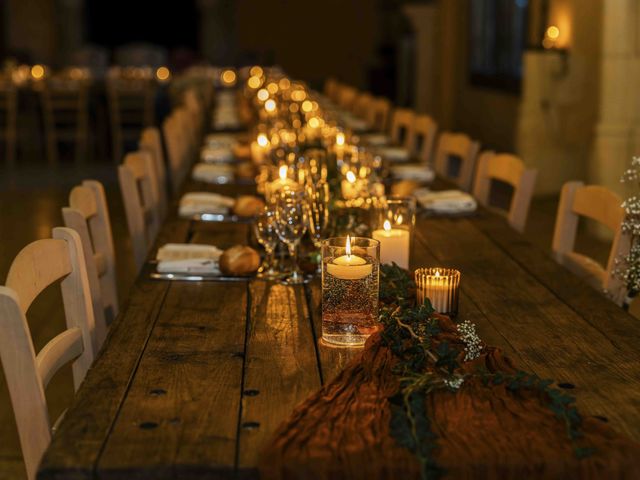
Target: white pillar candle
348 266
394 245
282 183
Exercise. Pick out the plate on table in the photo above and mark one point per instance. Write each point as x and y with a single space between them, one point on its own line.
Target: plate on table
217 155
216 174
419 173
209 207
395 154
446 202
190 262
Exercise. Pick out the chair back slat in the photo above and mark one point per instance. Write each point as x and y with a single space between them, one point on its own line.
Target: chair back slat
403 120
151 141
425 130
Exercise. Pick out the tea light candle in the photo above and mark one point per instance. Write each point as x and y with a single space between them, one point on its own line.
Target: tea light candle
282 183
441 286
348 266
394 244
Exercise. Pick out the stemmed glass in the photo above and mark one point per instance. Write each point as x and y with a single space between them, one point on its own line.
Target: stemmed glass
318 212
291 224
265 229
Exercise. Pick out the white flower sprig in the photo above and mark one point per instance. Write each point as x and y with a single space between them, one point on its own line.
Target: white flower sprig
472 342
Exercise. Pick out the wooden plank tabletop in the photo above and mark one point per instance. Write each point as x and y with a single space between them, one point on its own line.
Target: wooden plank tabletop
195 376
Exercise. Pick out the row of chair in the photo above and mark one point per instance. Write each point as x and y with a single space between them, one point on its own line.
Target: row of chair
457 157
82 256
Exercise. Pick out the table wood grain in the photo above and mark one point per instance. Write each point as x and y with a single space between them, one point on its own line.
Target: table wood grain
195 376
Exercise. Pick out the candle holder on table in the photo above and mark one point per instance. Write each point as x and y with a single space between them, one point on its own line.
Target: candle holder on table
393 227
350 280
441 286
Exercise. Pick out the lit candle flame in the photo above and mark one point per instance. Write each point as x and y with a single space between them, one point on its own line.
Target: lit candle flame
263 141
399 219
437 273
351 177
340 138
387 225
283 172
348 247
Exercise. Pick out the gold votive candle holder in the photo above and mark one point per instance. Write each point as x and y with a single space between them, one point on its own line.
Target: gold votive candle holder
441 286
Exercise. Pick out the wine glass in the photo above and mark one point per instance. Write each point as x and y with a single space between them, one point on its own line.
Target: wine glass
265 229
291 224
318 211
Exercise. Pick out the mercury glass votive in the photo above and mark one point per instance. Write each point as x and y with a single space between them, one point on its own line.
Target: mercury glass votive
441 286
350 280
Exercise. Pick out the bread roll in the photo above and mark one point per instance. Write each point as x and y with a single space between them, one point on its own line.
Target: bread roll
248 206
239 260
404 187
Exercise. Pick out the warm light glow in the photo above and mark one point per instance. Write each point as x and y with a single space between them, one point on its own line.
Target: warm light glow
254 82
437 273
340 138
282 172
272 88
263 94
263 141
351 177
37 71
285 83
294 107
229 77
553 32
348 246
163 73
270 105
399 219
307 106
314 106
387 225
298 95
314 122
256 71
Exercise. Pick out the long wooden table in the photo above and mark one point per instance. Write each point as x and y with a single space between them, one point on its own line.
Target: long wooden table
195 376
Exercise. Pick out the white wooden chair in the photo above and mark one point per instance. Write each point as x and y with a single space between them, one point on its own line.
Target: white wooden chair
425 129
402 122
347 96
378 116
151 142
177 145
462 147
362 105
8 119
37 266
605 207
131 108
88 215
65 111
511 170
137 183
331 87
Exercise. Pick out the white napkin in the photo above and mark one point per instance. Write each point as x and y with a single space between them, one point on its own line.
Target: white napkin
188 258
395 154
420 173
446 201
216 154
198 203
375 139
220 140
212 173
354 123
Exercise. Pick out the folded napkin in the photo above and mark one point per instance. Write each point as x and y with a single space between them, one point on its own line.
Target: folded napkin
212 173
198 203
216 154
354 123
220 140
375 139
188 258
395 154
446 201
419 173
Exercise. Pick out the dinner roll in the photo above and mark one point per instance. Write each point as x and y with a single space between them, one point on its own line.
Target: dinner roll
248 206
239 260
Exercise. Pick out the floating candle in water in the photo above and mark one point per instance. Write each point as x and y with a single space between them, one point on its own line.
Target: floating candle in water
348 266
394 244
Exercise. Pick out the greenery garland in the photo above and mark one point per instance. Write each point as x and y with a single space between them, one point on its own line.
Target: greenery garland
425 366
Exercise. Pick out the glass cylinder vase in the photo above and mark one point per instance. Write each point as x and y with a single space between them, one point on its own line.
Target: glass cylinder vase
350 282
393 225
